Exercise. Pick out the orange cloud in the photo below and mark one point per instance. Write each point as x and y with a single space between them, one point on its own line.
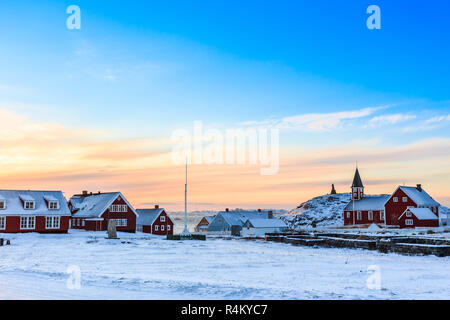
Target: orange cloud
38 155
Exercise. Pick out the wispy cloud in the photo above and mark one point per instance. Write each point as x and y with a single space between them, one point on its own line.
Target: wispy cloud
390 119
317 121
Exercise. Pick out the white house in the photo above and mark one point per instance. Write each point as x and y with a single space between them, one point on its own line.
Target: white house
259 227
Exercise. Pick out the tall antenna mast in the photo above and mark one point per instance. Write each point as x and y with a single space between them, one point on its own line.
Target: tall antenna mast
185 231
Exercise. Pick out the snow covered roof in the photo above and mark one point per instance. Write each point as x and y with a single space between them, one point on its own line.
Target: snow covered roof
13 202
266 223
49 197
421 213
238 217
357 182
421 198
368 203
94 205
148 216
209 218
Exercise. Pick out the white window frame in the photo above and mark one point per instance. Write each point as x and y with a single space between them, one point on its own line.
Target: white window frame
27 206
156 227
405 199
3 223
359 215
382 215
408 214
409 222
124 208
52 222
2 204
162 219
395 199
53 205
370 215
348 214
25 223
168 227
83 222
162 227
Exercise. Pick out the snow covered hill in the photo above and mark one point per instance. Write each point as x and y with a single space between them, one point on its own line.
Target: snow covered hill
322 211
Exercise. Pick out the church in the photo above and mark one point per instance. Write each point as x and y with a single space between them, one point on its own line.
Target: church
400 209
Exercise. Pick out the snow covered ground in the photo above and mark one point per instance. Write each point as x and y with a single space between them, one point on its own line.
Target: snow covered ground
140 266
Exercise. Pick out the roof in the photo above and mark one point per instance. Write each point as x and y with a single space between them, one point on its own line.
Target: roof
94 205
148 216
421 198
238 217
357 182
266 223
14 204
421 213
209 218
369 203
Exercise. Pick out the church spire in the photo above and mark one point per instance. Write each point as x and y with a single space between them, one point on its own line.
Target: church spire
357 182
357 186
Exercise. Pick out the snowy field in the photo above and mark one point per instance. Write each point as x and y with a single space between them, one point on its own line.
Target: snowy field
139 266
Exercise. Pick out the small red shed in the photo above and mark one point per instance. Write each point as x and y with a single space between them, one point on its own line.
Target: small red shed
154 221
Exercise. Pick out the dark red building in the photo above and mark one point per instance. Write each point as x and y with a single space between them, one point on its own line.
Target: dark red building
92 211
418 217
33 211
154 221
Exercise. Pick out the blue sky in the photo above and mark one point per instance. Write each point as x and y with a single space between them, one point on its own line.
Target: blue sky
148 67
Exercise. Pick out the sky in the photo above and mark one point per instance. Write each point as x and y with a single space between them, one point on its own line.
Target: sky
96 108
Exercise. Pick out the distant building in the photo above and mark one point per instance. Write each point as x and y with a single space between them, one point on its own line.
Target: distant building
259 227
154 221
333 190
33 211
203 225
225 220
92 211
387 209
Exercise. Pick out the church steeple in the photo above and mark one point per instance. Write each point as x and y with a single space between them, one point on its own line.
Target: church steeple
357 186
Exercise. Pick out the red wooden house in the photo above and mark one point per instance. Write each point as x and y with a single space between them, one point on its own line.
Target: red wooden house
418 217
154 221
203 225
92 211
33 211
408 197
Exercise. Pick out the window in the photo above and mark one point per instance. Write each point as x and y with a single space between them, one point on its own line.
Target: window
27 223
156 227
53 205
382 215
29 205
168 227
124 222
408 214
370 215
409 222
348 214
82 222
2 223
395 199
405 199
162 218
162 228
2 204
359 215
52 222
124 208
